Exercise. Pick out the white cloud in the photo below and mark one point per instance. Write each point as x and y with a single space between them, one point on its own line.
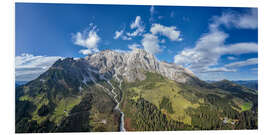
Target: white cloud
210 47
249 20
204 54
138 31
252 61
118 34
240 48
171 32
220 69
208 50
126 37
88 51
150 43
85 51
152 11
134 46
137 25
121 51
131 47
29 67
88 39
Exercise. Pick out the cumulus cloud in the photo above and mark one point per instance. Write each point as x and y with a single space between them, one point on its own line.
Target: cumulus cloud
137 25
171 32
150 43
126 37
118 34
134 46
88 39
205 53
211 46
208 50
252 61
88 51
29 67
249 20
131 47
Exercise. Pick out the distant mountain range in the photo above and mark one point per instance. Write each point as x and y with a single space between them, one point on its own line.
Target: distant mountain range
132 91
252 84
18 83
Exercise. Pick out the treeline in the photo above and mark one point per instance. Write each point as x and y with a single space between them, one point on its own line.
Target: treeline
208 116
211 115
77 120
149 118
166 104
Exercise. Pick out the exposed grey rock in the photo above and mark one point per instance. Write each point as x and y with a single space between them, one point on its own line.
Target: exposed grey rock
130 66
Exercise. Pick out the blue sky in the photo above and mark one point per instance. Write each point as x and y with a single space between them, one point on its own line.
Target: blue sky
214 42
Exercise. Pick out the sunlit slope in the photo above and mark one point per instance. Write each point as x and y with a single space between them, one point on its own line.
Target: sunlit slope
191 106
60 101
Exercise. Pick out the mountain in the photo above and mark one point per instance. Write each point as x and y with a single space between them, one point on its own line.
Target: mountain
131 91
18 83
128 65
252 84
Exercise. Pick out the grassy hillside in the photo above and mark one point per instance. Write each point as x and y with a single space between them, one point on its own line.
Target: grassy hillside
58 101
157 89
191 106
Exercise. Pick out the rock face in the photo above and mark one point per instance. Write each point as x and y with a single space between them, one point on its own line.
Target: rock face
130 66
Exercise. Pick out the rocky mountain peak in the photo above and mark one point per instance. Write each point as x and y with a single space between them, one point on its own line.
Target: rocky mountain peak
130 65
